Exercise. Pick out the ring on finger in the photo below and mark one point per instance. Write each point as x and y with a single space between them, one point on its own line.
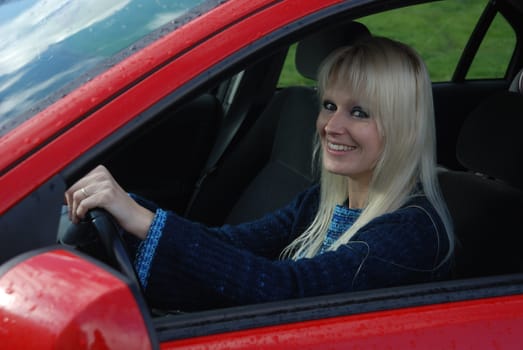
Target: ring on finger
84 192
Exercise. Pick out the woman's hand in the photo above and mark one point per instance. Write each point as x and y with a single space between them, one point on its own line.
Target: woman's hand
98 189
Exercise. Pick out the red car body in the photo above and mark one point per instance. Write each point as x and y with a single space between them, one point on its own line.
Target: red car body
57 298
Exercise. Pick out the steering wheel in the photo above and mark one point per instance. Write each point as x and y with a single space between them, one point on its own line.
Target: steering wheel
99 227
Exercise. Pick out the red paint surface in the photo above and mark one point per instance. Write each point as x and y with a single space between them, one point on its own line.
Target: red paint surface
57 300
483 324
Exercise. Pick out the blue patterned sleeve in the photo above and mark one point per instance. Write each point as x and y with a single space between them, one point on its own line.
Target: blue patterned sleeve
147 248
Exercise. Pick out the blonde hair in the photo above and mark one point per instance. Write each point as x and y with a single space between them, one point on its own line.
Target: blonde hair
394 79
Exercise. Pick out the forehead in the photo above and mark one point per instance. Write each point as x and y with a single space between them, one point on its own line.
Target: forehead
344 93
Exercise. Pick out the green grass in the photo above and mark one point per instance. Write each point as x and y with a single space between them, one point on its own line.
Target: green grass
438 31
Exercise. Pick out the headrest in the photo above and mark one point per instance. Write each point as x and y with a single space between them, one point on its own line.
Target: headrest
312 50
490 141
517 83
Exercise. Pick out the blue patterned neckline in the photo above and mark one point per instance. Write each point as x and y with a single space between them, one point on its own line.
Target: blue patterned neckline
343 218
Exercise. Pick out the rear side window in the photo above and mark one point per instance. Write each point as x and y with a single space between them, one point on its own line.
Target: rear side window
495 51
439 31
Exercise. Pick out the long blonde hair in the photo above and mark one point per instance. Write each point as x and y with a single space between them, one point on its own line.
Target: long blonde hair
396 79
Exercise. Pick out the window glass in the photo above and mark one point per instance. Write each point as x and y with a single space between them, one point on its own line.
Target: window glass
47 44
495 52
438 30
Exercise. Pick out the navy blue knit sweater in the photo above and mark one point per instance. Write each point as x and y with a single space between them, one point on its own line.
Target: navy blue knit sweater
186 265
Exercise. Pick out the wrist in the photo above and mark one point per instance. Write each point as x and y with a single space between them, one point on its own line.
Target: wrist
143 224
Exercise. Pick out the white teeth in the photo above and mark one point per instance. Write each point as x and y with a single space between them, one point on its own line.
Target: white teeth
337 147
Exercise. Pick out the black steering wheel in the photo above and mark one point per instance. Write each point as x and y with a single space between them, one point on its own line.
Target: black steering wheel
98 228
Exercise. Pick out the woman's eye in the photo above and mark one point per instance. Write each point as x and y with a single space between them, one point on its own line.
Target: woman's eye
358 112
328 105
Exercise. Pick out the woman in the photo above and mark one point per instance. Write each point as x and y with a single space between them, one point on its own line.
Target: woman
376 219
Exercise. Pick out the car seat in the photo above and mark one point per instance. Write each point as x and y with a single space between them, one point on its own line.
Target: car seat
486 202
292 112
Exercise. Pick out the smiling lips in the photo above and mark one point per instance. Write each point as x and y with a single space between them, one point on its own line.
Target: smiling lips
339 148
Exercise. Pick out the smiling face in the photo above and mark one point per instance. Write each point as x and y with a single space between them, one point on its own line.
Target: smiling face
350 139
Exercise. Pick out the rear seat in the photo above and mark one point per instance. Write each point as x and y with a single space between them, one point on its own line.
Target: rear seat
486 202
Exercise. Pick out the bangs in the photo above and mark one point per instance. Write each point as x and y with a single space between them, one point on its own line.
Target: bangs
346 69
386 80
356 71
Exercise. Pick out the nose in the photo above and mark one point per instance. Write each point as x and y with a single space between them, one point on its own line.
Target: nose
336 124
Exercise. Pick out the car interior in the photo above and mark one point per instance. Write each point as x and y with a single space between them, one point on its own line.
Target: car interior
241 145
254 154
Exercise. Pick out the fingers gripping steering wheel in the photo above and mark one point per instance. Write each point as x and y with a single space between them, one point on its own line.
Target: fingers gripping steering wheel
106 233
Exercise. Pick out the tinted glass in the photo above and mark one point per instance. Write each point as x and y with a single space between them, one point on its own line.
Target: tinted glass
48 44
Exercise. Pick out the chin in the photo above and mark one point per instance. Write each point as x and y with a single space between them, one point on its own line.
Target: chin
337 171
